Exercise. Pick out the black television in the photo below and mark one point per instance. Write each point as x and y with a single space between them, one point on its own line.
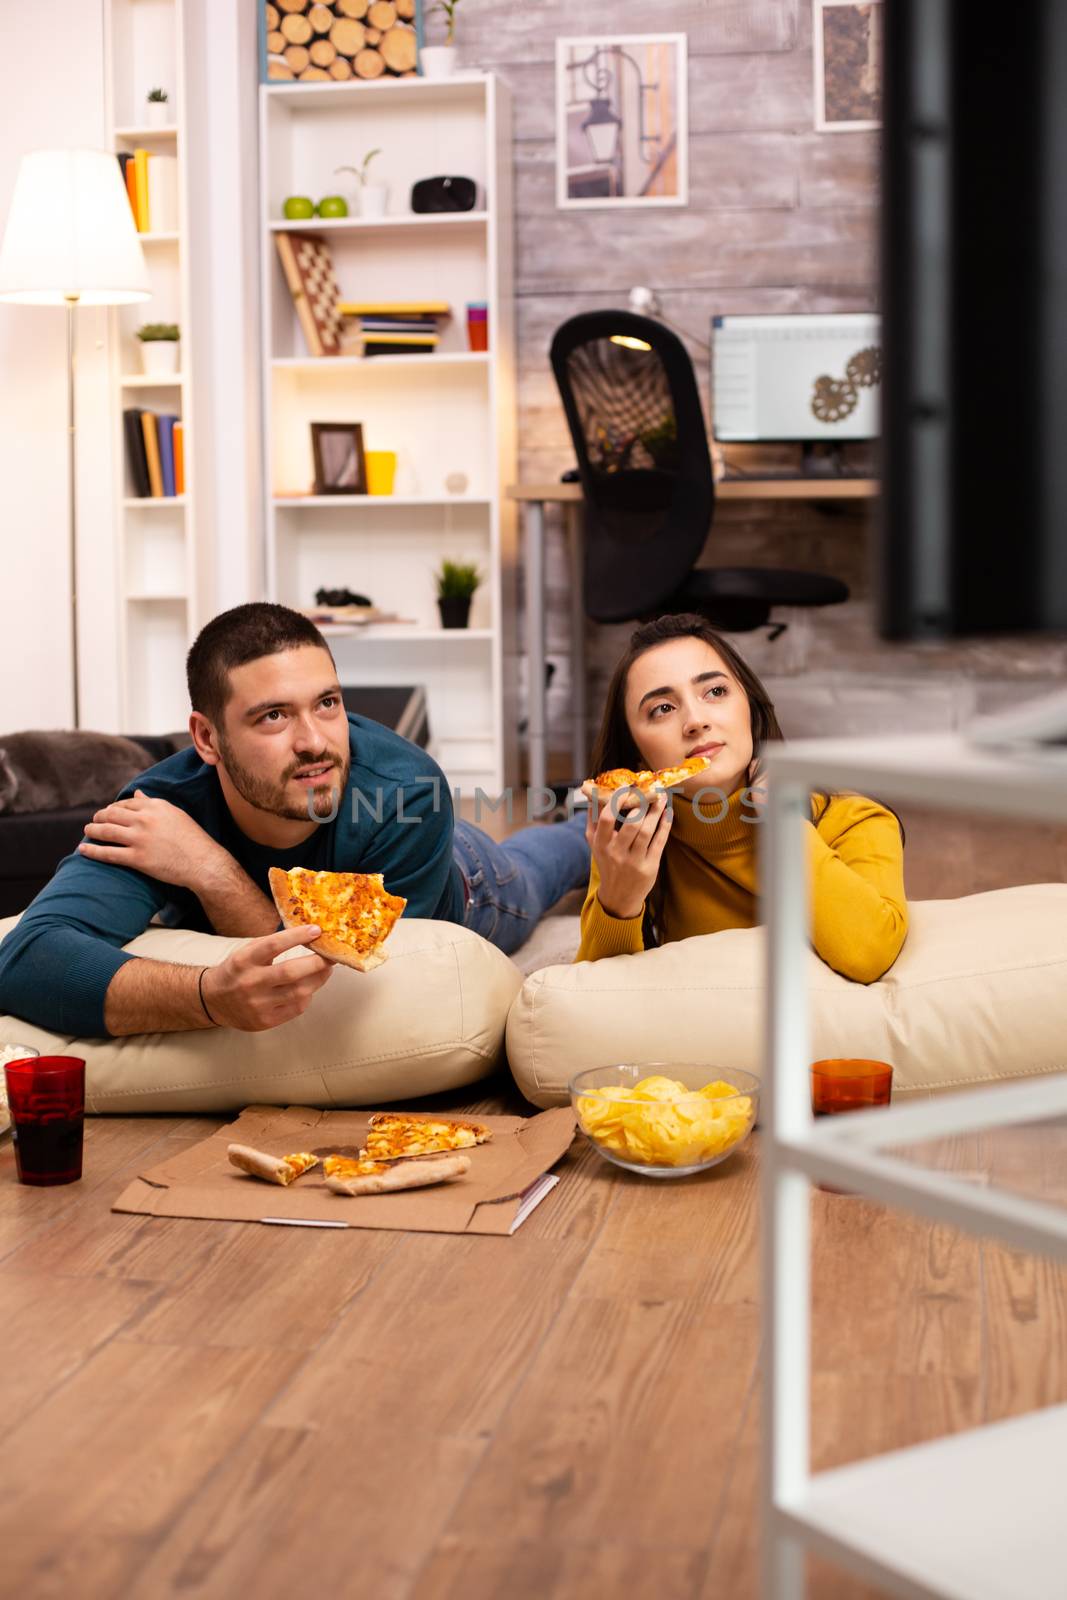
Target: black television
973 527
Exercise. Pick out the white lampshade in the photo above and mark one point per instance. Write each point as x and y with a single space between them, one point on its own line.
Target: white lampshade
70 231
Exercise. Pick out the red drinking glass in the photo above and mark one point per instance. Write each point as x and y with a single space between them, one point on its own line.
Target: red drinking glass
839 1084
46 1095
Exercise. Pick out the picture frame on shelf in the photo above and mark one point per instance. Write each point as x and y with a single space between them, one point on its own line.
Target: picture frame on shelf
622 120
340 459
847 46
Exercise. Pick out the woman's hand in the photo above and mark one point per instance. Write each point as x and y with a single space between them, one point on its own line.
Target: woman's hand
627 844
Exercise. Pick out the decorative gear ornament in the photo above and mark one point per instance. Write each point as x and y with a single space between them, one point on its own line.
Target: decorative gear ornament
834 399
864 369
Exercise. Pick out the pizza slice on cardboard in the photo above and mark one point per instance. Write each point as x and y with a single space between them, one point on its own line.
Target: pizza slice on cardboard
605 784
354 910
392 1136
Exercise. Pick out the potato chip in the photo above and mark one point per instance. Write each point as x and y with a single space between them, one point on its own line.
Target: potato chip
660 1122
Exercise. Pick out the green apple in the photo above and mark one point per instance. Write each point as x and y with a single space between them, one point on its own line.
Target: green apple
334 205
298 208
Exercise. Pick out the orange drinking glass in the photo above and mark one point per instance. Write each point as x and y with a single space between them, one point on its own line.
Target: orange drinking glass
839 1084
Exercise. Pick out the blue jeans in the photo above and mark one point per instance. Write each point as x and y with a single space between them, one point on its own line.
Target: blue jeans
511 885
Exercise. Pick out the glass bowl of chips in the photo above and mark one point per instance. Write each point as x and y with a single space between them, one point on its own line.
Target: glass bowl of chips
665 1121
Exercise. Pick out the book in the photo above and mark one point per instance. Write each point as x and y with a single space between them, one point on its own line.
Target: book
165 430
141 159
427 339
151 450
136 459
163 193
131 189
179 458
373 348
387 325
399 308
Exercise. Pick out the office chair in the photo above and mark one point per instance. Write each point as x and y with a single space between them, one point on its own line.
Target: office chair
631 401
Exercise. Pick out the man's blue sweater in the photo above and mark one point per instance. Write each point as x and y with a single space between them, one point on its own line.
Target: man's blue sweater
395 818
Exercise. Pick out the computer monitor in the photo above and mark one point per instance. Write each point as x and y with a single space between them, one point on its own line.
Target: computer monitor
795 378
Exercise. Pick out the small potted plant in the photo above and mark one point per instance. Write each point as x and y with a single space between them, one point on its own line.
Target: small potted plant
159 349
456 582
371 197
157 104
439 60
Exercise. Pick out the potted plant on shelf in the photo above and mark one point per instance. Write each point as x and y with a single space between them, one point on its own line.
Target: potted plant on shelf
456 582
371 197
439 60
159 349
157 103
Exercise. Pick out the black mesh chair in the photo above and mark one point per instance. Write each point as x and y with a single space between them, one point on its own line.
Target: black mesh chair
630 396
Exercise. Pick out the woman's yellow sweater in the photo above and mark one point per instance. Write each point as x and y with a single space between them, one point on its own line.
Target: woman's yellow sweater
708 880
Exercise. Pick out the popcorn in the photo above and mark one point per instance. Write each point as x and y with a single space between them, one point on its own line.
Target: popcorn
661 1123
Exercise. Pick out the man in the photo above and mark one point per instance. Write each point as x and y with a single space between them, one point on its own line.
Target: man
278 775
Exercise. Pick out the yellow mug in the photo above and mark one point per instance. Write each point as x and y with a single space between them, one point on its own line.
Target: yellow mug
381 471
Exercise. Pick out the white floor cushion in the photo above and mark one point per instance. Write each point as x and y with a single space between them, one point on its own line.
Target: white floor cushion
431 1018
977 995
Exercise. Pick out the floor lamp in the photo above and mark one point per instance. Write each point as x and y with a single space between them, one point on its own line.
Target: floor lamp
70 240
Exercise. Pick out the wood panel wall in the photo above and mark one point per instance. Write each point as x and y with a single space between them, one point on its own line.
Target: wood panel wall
780 218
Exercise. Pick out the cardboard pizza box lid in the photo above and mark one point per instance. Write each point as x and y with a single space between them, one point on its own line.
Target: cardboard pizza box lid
201 1182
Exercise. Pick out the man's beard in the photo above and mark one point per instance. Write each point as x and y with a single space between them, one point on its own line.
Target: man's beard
320 804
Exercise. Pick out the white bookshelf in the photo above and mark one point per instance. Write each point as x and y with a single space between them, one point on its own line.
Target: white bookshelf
155 538
450 411
977 1516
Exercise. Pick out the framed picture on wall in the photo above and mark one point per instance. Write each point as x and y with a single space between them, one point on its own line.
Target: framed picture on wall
340 464
847 49
622 120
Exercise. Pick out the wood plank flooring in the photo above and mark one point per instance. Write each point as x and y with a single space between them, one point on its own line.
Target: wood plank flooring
204 1408
209 1409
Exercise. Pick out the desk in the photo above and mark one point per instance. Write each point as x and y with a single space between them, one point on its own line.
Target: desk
534 497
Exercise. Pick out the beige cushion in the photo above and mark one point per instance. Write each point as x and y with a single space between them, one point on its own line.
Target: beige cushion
431 1018
978 994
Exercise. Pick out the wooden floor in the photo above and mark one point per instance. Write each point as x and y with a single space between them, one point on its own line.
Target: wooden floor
217 1409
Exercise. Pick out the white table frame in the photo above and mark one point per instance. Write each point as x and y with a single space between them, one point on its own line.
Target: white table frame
972 1517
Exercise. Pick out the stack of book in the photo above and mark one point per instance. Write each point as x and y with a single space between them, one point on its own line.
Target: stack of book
155 453
152 184
396 328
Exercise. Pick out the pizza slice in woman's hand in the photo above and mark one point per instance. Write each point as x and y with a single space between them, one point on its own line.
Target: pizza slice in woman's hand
354 910
606 784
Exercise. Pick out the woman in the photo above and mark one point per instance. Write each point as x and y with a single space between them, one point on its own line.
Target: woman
689 863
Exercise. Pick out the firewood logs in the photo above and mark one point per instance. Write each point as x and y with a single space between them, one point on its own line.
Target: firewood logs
339 39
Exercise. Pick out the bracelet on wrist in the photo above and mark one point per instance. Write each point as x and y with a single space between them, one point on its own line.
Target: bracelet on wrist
203 1002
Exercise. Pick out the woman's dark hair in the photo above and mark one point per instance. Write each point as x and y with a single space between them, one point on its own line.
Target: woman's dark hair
235 637
615 745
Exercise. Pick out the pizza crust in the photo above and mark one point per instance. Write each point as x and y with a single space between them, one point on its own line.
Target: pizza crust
271 1168
327 945
403 1175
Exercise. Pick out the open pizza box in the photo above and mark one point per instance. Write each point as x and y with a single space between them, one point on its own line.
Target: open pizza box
508 1176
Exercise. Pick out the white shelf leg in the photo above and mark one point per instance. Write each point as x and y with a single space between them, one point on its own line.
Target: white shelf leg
786 1111
536 710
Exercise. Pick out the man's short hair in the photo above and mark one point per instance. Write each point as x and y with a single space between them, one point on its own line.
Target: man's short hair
234 637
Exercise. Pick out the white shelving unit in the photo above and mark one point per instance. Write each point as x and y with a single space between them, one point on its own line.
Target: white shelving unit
155 538
451 411
977 1516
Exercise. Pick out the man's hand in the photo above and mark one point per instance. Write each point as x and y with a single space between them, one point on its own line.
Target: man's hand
627 850
155 838
248 991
